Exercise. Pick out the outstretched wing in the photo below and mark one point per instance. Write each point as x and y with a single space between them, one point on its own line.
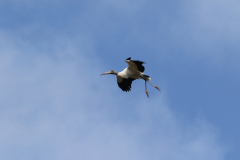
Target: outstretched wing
136 65
125 83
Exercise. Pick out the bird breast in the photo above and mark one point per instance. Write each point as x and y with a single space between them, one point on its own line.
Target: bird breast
123 73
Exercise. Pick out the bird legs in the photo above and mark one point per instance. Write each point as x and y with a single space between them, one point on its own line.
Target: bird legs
146 89
152 85
155 86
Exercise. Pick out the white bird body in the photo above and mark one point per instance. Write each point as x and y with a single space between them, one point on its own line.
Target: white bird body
134 71
124 73
128 73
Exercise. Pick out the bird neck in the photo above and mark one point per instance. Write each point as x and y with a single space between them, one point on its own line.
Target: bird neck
114 72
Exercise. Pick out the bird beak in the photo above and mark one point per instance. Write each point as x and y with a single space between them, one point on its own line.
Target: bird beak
109 72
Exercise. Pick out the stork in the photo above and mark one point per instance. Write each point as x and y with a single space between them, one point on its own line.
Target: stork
134 71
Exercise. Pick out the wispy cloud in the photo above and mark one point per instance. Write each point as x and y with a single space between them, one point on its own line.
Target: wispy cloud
208 29
56 106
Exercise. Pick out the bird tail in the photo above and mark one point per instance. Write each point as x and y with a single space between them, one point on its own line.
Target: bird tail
146 78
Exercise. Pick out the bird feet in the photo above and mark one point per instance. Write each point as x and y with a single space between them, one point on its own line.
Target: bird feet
158 88
147 93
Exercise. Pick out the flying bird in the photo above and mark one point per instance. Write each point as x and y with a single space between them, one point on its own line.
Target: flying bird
134 71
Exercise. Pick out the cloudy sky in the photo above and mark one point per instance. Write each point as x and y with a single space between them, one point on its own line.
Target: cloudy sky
54 105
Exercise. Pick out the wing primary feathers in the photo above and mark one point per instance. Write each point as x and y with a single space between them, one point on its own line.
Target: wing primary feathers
125 85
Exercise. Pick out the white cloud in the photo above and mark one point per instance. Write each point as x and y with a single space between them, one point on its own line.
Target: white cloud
56 105
210 29
218 16
206 29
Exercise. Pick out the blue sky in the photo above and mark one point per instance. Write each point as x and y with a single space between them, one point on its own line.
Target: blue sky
54 105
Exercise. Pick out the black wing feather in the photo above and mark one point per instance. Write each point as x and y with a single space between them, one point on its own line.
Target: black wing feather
140 67
125 85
